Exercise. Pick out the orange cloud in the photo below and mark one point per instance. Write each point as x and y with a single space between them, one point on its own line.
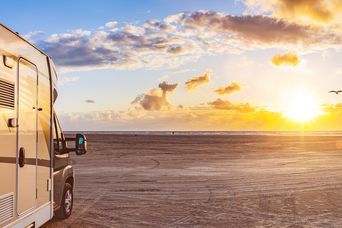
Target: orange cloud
227 105
333 108
307 11
186 118
228 89
316 10
156 99
288 59
165 87
218 115
199 80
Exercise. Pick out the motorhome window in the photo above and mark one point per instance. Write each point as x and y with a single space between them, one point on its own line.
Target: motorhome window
55 95
54 72
59 141
8 61
55 137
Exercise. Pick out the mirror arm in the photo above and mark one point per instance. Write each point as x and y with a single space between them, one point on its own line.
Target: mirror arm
64 142
78 151
64 151
70 139
80 145
68 150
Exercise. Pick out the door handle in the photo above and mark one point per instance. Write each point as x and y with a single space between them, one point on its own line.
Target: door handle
39 109
21 157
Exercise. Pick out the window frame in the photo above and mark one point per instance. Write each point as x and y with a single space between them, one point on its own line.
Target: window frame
59 136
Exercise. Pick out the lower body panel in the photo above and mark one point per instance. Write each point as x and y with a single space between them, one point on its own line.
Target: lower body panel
38 217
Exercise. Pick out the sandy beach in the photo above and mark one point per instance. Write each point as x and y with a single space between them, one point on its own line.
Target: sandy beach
208 181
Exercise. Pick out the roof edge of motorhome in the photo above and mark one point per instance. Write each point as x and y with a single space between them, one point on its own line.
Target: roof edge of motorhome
22 38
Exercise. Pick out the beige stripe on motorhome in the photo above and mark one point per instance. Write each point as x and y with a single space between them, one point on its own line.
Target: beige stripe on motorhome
28 161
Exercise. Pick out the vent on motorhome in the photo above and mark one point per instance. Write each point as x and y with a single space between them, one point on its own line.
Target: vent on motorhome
6 94
6 207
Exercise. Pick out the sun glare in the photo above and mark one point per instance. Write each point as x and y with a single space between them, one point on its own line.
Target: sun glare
301 106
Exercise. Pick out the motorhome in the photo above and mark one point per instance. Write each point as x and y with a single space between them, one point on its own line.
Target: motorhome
36 175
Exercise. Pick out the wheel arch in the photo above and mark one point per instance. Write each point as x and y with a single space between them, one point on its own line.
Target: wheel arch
71 180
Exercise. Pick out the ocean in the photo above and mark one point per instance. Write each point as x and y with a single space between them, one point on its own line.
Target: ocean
210 133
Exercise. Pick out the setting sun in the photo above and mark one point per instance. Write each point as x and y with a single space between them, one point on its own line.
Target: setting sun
301 106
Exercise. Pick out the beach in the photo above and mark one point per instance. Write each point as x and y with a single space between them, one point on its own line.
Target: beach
133 180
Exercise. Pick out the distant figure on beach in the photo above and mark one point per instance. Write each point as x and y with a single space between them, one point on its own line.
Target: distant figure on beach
335 91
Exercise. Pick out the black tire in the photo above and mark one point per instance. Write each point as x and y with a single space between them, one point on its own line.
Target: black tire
66 205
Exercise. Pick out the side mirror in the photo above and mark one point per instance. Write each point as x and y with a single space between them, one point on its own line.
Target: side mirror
81 144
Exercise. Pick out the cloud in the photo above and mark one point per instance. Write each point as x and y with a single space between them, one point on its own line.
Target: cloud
288 59
228 89
185 118
199 80
306 11
176 40
112 25
165 87
33 36
252 29
89 101
181 70
175 49
216 115
129 47
227 105
156 99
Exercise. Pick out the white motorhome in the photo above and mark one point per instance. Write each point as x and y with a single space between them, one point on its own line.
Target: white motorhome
36 178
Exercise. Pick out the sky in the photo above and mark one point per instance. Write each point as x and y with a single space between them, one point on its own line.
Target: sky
190 65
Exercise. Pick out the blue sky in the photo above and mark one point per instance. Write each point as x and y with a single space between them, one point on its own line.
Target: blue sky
189 65
52 17
62 15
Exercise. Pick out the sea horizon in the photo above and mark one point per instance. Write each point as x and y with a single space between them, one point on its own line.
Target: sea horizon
211 133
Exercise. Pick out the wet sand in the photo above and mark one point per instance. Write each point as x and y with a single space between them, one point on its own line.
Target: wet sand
208 181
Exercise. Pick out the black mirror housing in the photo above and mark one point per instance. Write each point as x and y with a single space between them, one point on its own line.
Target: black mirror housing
81 144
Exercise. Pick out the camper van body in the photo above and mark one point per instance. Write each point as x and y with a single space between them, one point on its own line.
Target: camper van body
29 138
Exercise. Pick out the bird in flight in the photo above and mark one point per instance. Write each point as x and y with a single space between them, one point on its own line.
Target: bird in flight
335 91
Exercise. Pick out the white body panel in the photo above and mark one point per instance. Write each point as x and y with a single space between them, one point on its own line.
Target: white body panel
26 104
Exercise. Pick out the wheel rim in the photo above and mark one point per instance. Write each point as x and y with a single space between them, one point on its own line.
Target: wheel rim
68 201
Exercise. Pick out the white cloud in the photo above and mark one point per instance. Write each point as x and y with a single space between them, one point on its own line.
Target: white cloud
111 24
33 36
177 39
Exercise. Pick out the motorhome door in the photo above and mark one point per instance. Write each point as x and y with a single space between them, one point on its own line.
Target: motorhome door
27 136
